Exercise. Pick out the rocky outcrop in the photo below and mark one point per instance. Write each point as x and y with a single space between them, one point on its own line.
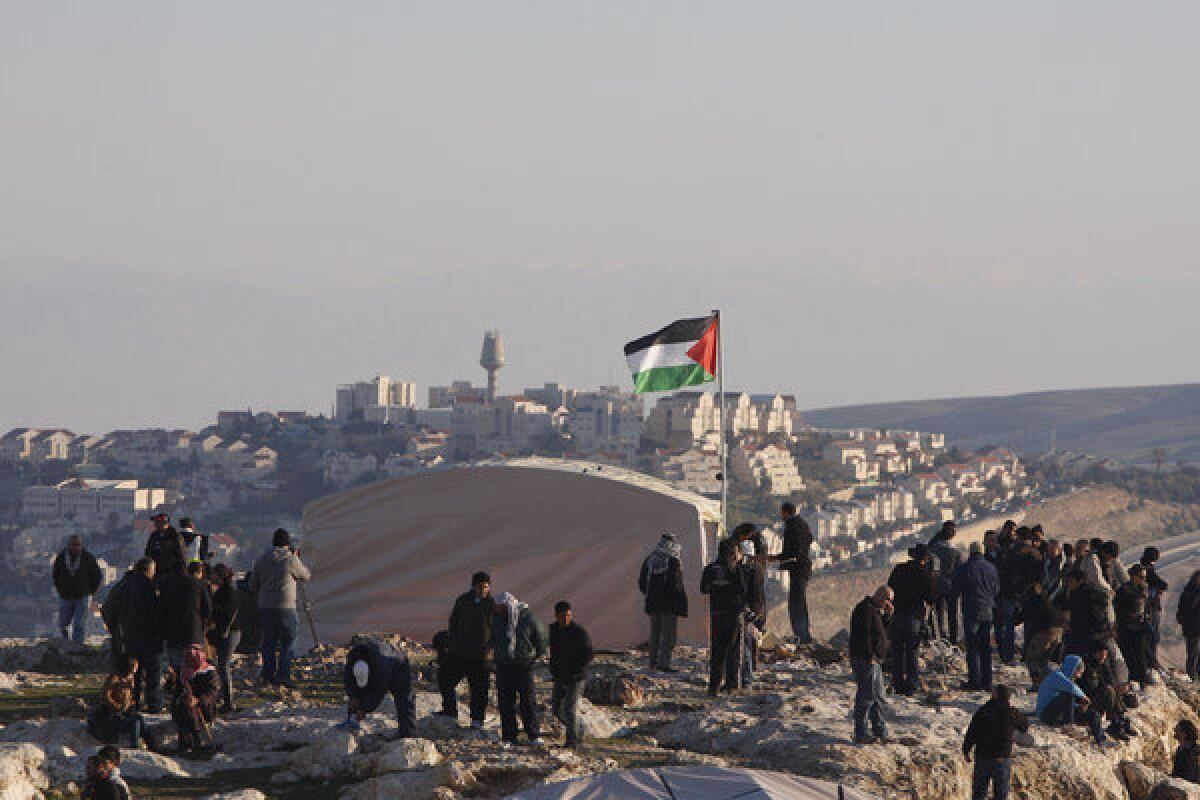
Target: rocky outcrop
21 776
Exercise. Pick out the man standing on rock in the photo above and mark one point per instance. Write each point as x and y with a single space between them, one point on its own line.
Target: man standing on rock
725 585
912 583
77 577
977 583
946 559
868 649
661 581
469 649
796 559
186 612
518 640
276 575
142 636
990 736
570 654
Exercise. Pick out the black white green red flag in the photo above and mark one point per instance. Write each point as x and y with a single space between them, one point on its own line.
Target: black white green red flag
683 353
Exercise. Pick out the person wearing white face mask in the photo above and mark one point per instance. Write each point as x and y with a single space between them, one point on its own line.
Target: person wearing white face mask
373 669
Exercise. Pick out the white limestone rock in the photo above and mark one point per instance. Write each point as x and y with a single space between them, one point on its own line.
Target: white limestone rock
21 776
402 755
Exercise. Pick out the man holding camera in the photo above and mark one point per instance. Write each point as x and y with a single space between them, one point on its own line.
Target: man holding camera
274 580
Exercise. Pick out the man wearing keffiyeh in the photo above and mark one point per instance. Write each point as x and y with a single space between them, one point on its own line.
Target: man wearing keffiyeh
661 581
519 640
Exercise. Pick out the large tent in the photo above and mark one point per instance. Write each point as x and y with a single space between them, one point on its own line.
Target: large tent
692 783
391 556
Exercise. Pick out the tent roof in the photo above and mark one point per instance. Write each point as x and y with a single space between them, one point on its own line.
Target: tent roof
710 509
692 783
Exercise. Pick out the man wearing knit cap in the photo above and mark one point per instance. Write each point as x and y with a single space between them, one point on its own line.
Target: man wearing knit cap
469 649
274 580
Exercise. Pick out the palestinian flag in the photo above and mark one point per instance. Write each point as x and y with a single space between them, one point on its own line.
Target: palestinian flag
682 354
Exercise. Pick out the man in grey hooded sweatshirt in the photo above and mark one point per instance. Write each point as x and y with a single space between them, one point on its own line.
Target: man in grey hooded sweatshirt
274 581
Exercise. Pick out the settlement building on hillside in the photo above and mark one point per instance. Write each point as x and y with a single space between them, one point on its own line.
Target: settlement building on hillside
771 467
687 418
90 502
377 400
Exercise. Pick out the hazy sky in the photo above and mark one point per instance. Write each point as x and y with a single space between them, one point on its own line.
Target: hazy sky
213 205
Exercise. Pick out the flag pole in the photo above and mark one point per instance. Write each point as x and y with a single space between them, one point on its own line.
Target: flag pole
721 395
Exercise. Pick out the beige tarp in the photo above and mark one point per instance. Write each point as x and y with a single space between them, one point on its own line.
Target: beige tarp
391 556
692 783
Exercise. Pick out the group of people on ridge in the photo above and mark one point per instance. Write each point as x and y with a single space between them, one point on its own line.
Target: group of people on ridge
1079 608
174 606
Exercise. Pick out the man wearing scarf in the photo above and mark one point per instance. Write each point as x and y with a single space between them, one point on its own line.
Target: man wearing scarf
76 576
195 705
519 640
661 581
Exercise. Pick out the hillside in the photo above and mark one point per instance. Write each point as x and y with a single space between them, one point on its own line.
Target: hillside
1125 423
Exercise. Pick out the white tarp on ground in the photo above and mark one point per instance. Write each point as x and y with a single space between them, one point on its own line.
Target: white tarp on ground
391 556
692 783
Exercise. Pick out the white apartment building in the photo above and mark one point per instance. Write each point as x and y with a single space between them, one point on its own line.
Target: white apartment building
343 469
694 470
449 396
90 502
605 420
771 466
684 419
353 399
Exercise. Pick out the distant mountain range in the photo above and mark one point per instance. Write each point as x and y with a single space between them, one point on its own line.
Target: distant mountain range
1123 423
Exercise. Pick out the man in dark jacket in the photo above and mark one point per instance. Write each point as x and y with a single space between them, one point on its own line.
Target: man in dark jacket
755 620
978 583
165 546
990 735
470 649
725 586
77 577
1107 696
1133 631
1088 622
1187 614
570 654
187 610
912 583
1157 590
946 560
1021 567
661 581
373 669
1044 622
795 558
868 649
140 620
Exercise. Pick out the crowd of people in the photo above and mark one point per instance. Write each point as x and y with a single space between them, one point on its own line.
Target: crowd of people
1077 607
175 623
1090 630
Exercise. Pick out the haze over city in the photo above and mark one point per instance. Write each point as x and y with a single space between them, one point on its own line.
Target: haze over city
229 207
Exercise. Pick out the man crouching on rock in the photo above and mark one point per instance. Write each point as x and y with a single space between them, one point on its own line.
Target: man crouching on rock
374 668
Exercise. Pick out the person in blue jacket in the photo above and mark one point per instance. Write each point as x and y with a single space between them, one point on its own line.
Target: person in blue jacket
1060 701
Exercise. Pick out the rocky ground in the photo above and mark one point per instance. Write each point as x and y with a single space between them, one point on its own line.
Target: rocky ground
797 718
